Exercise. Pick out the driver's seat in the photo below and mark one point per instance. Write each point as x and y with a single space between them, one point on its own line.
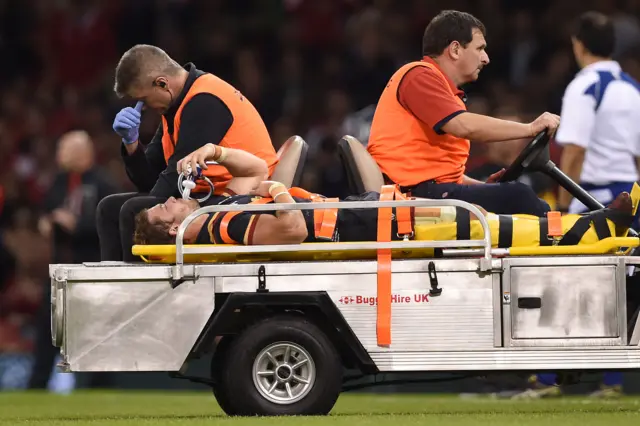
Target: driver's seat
292 157
363 173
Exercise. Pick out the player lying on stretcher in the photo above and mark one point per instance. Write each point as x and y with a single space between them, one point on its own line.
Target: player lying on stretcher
159 224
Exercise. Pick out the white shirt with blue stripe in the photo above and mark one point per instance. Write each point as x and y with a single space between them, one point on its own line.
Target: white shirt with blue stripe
601 113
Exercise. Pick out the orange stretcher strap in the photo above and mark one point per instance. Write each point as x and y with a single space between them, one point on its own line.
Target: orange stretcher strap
404 218
403 215
554 222
325 220
383 320
226 219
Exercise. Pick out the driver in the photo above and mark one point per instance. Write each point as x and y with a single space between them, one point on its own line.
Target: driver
421 130
159 224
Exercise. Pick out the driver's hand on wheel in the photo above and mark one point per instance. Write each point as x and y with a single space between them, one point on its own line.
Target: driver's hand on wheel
546 121
496 176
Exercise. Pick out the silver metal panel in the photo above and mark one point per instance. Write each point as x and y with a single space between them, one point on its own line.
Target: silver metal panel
461 318
631 260
621 289
509 359
577 302
635 336
497 311
110 271
134 325
544 261
320 276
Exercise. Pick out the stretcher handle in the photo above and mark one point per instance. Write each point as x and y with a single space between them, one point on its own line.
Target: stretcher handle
485 243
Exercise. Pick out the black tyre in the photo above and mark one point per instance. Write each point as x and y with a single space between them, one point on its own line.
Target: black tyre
283 365
217 365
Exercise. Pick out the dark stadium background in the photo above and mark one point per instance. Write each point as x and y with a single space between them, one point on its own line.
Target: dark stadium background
312 67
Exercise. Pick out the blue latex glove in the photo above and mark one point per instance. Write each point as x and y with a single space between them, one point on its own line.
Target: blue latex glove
127 123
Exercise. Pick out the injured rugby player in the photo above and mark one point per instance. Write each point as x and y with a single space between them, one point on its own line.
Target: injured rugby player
159 224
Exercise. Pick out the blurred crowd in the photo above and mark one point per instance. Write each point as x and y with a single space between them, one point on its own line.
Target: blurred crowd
312 67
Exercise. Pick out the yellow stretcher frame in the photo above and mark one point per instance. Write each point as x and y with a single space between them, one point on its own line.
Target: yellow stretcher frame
166 253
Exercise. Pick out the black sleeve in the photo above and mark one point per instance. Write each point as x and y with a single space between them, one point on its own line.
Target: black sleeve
145 164
205 119
52 197
86 226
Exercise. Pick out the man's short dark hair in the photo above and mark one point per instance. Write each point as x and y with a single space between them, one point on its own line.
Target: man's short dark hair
449 26
151 233
595 31
139 62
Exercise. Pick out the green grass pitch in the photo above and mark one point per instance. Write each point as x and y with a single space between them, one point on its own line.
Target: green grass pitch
200 408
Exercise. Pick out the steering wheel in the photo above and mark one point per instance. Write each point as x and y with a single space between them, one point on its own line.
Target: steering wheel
529 155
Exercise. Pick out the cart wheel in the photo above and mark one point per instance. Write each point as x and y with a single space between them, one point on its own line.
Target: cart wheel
217 365
282 366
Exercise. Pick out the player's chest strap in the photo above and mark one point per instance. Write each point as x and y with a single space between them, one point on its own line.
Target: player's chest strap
324 220
405 228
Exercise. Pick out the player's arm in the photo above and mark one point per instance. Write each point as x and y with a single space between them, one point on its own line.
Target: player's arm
205 119
574 133
247 169
286 226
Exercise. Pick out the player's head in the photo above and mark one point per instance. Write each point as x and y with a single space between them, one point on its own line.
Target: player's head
459 38
146 73
159 224
593 38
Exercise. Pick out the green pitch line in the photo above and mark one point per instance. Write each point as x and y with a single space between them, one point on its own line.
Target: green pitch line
195 409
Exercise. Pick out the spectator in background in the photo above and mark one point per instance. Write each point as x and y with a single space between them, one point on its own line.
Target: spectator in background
69 220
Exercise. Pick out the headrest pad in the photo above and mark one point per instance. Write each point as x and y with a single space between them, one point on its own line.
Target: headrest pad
291 159
366 166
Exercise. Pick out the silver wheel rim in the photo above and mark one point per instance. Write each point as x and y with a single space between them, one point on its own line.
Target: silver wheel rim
284 373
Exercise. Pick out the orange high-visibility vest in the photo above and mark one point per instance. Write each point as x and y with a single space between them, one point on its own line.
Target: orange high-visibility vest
248 131
408 151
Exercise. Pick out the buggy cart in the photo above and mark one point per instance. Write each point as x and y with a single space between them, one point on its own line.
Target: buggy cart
281 323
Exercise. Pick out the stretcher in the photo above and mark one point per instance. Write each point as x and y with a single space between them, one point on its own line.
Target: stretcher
281 322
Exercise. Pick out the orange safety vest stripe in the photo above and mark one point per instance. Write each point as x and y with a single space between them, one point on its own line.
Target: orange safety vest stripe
248 131
407 150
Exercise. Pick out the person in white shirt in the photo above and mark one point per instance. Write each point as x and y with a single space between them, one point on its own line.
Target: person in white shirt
600 119
600 134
